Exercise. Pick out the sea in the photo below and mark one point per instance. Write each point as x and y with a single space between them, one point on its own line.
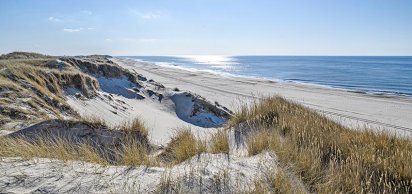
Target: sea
379 75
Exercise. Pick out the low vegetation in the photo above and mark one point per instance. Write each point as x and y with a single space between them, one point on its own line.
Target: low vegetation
322 154
137 154
182 146
133 150
135 125
23 56
32 88
220 142
57 148
278 181
325 156
328 157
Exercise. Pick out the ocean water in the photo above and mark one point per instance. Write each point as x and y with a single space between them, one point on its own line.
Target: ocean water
378 75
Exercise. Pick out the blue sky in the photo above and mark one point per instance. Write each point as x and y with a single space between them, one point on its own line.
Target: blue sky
207 27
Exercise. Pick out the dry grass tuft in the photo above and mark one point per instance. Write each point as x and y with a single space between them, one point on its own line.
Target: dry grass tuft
220 142
56 148
133 150
23 56
277 181
92 121
25 76
136 154
130 152
135 126
282 182
183 146
259 142
328 157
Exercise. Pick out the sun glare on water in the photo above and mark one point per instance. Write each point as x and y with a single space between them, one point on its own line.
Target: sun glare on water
215 60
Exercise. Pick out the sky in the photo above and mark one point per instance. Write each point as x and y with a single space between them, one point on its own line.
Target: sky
207 27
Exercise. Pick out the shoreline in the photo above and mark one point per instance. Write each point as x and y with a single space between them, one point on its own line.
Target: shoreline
371 92
349 108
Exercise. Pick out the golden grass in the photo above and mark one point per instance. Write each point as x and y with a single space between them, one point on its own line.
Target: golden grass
135 126
260 141
56 148
6 83
252 114
220 142
277 181
328 157
130 152
134 150
92 121
32 79
34 76
24 56
281 182
136 154
182 146
46 81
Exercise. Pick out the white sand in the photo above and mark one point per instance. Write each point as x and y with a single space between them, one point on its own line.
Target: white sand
208 173
118 102
349 108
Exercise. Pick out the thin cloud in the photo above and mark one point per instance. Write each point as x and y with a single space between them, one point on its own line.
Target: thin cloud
72 30
53 19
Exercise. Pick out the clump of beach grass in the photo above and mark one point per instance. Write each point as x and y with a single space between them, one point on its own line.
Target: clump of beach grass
129 153
92 121
220 142
136 154
135 126
56 148
277 180
133 150
260 141
30 76
327 156
182 146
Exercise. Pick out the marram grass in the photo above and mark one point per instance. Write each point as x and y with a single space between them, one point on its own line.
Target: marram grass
328 157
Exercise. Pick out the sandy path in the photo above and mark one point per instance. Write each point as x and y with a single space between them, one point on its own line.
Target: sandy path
349 108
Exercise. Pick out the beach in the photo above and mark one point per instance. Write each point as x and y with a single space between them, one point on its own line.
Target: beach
360 110
206 97
127 126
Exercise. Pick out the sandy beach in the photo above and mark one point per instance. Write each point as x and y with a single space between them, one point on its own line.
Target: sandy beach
349 108
135 127
205 97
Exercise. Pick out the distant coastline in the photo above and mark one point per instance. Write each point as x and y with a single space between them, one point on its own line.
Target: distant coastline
386 76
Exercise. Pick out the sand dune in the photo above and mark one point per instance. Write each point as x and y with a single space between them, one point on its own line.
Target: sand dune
206 173
170 98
